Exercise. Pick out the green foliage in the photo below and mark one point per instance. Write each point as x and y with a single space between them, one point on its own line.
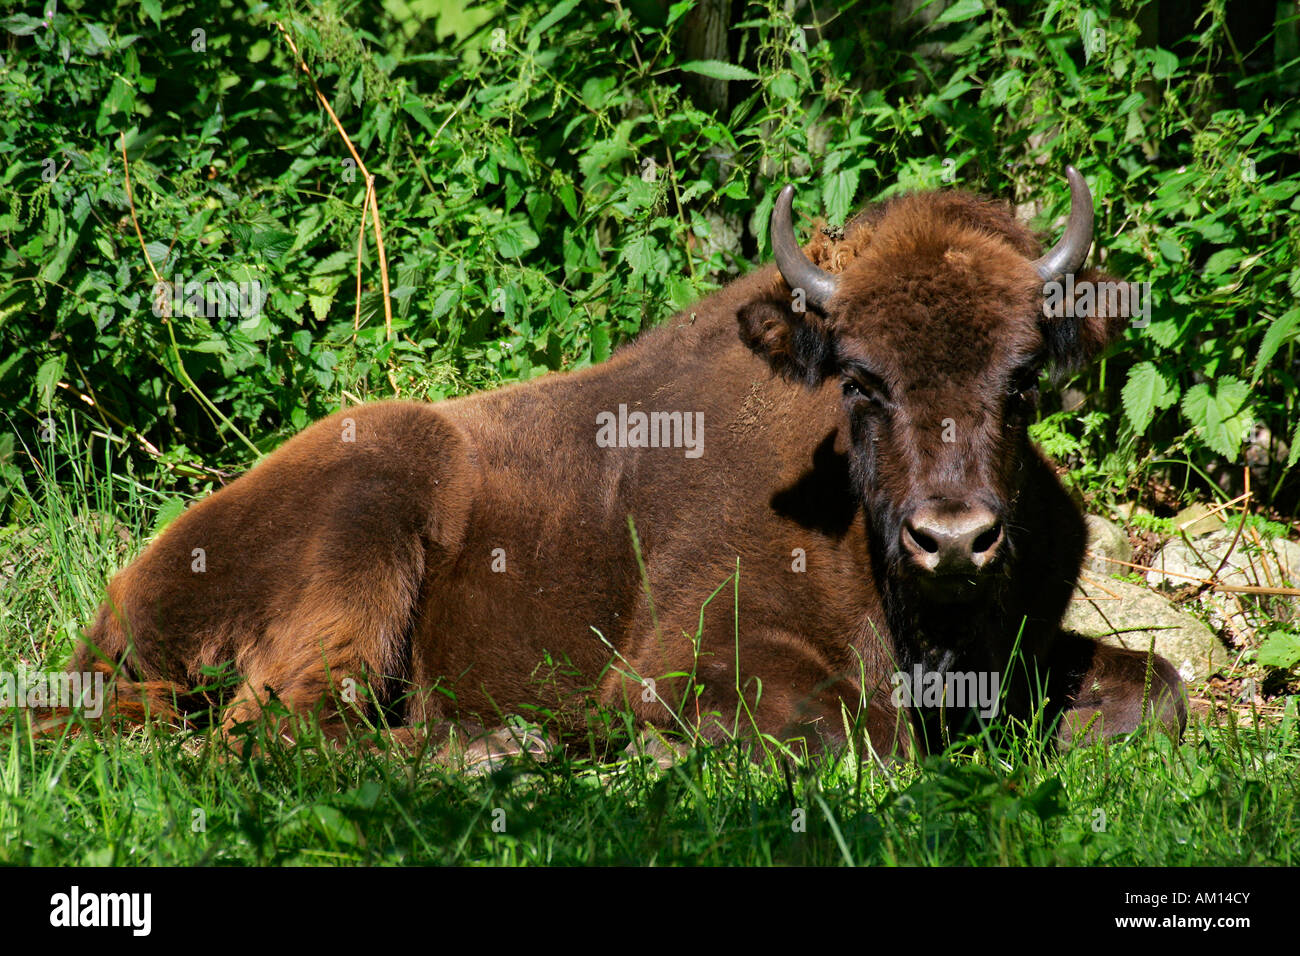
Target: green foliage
1083 441
1162 526
1281 648
1227 796
548 188
1265 528
1220 413
1147 390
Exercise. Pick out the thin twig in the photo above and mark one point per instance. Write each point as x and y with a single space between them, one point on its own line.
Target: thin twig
1263 559
1090 579
361 240
1213 585
130 201
145 443
1213 511
372 200
181 373
1244 589
1235 538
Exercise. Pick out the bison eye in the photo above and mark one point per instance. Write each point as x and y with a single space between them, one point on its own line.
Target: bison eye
1024 385
858 390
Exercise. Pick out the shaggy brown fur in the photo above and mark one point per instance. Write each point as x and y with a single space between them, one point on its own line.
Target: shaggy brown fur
472 559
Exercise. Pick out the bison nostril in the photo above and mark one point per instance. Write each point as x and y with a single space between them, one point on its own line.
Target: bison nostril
926 543
988 539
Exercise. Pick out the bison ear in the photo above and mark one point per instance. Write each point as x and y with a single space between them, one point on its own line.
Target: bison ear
798 345
1080 318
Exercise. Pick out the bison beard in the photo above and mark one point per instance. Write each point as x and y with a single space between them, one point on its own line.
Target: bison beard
446 565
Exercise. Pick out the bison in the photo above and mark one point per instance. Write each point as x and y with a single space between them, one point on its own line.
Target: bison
766 515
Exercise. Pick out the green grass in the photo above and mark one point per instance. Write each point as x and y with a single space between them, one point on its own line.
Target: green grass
1227 795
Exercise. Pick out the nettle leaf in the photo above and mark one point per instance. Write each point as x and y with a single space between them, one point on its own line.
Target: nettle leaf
954 90
1220 414
639 254
415 109
1280 649
274 243
47 378
158 253
1280 331
320 304
121 97
558 13
1222 261
1000 90
1169 247
539 206
596 89
1087 24
960 11
567 197
341 261
20 24
718 70
513 241
168 512
838 194
678 10
784 87
1164 333
1164 64
1146 390
644 255
971 39
447 298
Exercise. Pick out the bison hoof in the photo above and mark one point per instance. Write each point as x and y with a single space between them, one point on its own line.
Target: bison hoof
491 751
650 743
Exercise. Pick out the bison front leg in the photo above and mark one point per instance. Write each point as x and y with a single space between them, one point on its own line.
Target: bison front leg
1109 691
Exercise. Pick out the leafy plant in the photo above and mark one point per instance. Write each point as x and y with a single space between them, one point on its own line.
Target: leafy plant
1281 648
548 187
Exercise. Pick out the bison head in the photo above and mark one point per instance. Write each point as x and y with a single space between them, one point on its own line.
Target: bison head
928 312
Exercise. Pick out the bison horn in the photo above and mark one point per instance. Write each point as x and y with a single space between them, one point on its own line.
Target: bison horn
1068 254
817 284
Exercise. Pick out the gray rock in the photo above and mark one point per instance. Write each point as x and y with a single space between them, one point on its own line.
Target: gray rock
1276 563
1106 540
1127 615
1249 565
1073 399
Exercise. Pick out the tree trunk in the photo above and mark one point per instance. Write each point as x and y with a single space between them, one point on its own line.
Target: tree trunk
705 32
